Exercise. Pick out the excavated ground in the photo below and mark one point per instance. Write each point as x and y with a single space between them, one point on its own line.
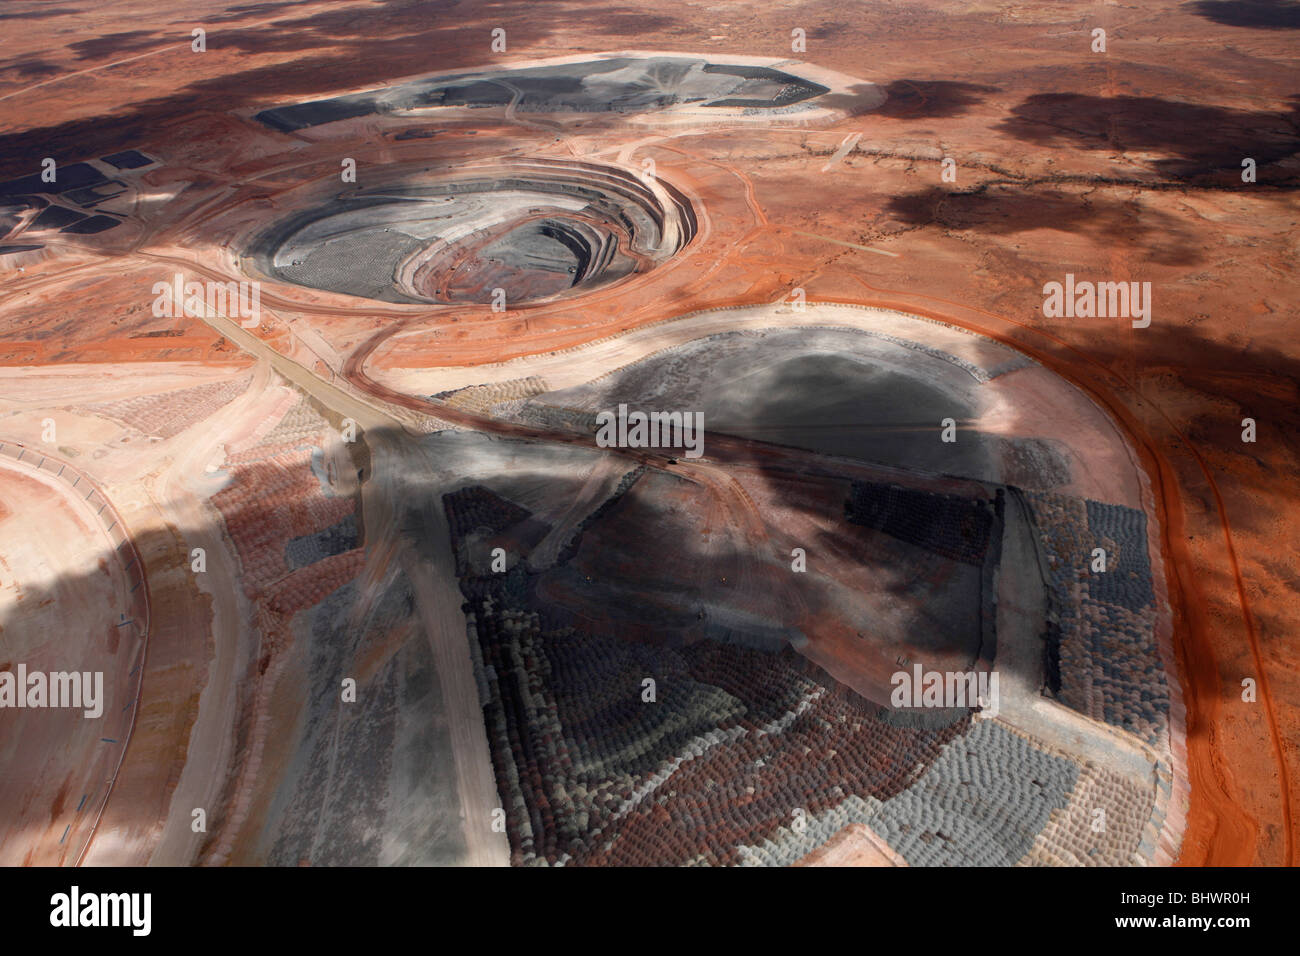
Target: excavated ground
330 559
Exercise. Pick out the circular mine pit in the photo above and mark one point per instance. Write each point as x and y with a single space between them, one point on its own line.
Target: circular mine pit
666 86
506 233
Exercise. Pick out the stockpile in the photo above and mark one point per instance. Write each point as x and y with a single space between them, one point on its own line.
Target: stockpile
791 844
736 741
981 803
335 539
481 398
476 510
309 586
954 527
170 413
548 416
1103 623
570 549
743 757
259 506
295 541
301 425
1102 825
1127 581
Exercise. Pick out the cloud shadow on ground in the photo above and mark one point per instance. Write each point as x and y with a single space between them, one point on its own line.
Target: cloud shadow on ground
1259 14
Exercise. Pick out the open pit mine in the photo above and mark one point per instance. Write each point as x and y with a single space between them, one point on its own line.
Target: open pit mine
638 438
